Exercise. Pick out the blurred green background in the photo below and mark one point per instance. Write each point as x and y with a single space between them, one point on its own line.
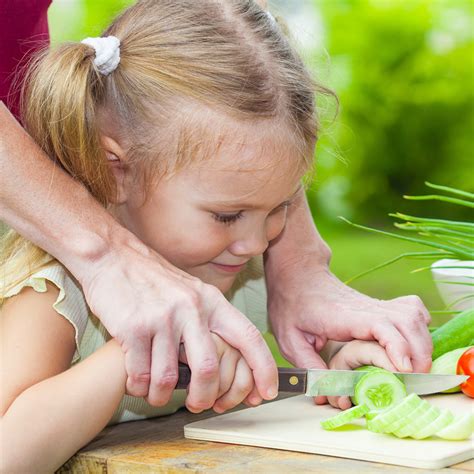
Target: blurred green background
403 72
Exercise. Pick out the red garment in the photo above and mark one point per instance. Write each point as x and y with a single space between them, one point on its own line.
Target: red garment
23 31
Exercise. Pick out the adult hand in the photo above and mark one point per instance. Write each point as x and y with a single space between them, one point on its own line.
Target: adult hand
151 307
308 305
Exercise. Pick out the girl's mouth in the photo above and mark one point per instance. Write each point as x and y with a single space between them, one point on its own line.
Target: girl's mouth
229 268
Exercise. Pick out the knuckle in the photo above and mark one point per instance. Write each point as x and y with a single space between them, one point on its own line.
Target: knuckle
252 334
244 386
167 381
208 368
138 379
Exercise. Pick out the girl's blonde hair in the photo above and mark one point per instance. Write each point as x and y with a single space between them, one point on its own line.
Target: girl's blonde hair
224 55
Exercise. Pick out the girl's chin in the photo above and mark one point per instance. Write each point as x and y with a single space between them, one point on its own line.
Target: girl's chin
224 285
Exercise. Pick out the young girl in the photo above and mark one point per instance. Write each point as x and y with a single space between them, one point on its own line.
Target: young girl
194 124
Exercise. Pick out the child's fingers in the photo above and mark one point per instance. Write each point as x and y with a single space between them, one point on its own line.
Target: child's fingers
253 399
227 366
137 365
340 402
242 385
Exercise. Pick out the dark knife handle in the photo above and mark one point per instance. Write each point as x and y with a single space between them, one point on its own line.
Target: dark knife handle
289 379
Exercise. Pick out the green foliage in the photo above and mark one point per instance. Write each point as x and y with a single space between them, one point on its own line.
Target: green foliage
403 71
77 19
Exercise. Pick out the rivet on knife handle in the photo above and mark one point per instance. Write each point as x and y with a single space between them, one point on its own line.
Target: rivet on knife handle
291 380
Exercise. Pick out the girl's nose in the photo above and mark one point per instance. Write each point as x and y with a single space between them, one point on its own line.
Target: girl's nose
253 243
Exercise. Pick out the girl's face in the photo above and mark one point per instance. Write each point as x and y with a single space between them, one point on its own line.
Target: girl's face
212 217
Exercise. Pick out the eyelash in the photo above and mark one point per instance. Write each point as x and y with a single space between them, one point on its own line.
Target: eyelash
230 219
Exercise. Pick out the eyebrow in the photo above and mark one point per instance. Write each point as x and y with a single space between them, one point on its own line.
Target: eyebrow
251 205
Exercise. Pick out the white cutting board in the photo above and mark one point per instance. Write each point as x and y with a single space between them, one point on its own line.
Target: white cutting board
293 424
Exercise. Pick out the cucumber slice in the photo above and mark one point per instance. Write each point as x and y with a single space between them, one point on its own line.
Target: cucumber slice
389 416
444 419
379 389
417 421
459 429
345 417
404 420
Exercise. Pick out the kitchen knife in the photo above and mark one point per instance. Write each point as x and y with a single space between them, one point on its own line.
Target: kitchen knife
314 382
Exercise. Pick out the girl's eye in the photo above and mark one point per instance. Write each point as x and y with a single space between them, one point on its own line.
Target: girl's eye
227 218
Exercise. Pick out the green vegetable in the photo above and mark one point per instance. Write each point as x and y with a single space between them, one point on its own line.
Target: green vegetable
394 414
345 417
456 333
444 419
460 428
447 364
403 416
379 389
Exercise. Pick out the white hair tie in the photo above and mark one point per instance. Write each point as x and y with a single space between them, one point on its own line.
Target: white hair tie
272 18
107 53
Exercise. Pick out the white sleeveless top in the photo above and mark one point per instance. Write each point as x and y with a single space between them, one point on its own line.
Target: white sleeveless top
248 295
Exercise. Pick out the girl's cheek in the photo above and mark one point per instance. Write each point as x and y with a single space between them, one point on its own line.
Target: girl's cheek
275 225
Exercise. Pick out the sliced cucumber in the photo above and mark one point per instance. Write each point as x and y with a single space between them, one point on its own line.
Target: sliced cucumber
379 389
444 419
389 416
345 417
404 420
415 423
459 429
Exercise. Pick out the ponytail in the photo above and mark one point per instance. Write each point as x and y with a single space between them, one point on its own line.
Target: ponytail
61 95
63 90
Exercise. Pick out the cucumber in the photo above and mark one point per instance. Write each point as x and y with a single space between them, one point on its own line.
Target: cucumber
379 389
404 420
444 419
419 421
447 364
345 417
461 428
456 333
387 417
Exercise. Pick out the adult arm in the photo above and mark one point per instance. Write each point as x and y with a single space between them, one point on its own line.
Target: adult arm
308 305
147 304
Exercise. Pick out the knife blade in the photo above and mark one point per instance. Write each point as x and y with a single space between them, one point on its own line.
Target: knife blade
314 382
343 382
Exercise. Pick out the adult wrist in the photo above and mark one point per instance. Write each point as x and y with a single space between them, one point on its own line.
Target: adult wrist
105 241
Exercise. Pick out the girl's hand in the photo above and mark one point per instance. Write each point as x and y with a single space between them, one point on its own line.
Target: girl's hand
355 354
236 382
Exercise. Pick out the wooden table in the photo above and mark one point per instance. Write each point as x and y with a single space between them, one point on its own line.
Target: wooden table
158 445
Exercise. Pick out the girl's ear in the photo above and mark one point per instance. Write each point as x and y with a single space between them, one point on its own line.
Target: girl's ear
116 158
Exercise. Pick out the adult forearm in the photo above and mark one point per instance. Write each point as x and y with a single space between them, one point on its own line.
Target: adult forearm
53 419
299 244
48 207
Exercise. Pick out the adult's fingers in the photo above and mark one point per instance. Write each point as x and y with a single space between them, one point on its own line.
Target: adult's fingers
240 333
414 328
296 348
421 345
164 368
416 304
395 344
137 364
204 364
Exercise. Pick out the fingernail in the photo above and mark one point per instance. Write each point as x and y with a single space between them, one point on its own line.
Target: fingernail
272 392
407 364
